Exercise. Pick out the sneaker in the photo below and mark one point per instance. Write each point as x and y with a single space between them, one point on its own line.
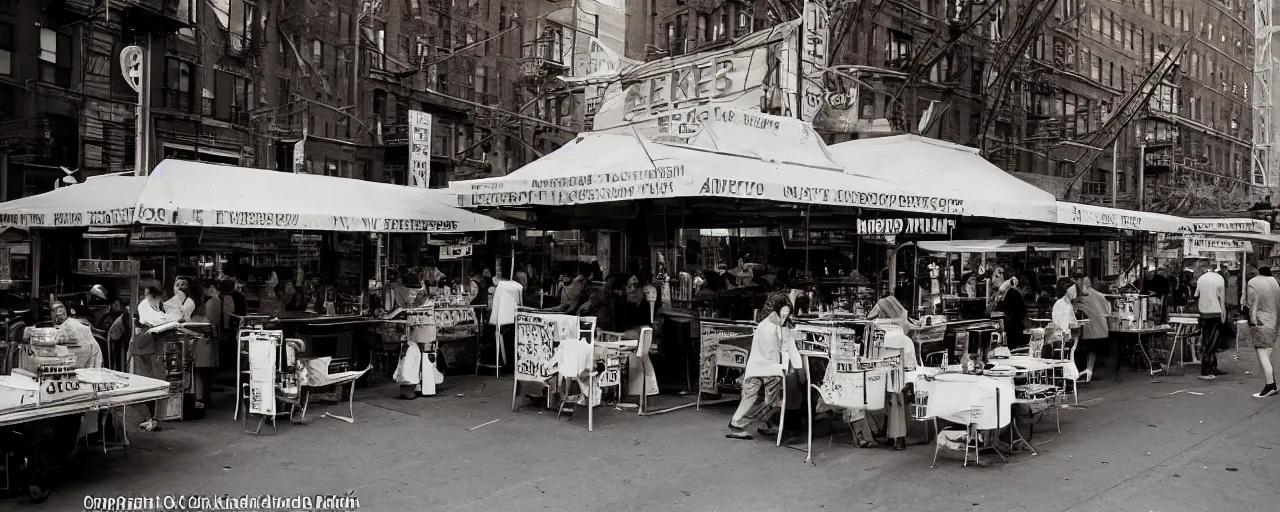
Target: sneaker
767 431
1269 390
1208 377
150 425
738 434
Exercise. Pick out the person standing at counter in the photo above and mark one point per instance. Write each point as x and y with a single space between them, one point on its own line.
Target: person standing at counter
888 308
1009 301
1064 315
1264 310
143 357
182 306
765 369
1211 297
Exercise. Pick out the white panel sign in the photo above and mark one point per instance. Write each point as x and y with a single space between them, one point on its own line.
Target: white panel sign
419 149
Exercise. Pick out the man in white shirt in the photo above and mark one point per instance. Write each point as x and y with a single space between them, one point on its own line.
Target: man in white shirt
1211 291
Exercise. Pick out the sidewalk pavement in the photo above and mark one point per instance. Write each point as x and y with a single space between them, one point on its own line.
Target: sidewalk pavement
1177 445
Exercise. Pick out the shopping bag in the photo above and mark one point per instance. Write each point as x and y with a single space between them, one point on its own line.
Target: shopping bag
408 371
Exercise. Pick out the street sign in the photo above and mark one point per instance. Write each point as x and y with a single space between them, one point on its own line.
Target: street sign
131 67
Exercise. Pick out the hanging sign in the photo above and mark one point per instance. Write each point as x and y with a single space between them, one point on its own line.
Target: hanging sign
107 268
814 35
419 149
1198 246
912 226
1228 226
131 67
453 252
672 95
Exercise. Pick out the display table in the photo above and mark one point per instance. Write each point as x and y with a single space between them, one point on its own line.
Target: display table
1138 334
109 388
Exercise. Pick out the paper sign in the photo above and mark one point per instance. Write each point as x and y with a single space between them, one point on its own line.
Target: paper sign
453 252
263 347
723 344
535 346
60 384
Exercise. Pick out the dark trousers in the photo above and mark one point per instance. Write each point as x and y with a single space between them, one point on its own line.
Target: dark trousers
1210 328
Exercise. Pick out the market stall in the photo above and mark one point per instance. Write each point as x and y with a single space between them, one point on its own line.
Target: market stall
306 254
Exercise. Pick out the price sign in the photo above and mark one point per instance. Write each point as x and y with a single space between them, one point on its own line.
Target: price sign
59 387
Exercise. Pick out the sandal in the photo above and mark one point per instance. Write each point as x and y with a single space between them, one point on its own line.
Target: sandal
150 425
860 441
739 435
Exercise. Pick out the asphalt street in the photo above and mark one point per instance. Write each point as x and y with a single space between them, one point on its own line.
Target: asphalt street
1178 445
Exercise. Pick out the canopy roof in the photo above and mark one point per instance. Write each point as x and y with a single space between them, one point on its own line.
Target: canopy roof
184 193
737 154
912 161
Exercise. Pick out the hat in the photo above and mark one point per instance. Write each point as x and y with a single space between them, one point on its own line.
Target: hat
98 291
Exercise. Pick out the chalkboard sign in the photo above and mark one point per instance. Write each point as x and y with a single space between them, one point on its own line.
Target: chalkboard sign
535 345
723 344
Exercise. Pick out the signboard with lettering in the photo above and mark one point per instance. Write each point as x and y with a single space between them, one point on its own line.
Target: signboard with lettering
671 95
419 149
453 252
911 226
724 344
178 216
814 35
535 345
107 268
263 348
1228 226
1203 246
456 328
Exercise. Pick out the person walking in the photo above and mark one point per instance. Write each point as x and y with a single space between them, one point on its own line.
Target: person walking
1095 334
762 380
1211 292
1263 301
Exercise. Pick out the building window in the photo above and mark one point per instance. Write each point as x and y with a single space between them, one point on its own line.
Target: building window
242 16
721 28
704 21
899 51
177 85
55 58
317 52
6 49
344 26
233 97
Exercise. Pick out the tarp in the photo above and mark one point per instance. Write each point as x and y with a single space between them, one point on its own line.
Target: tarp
739 155
184 193
912 161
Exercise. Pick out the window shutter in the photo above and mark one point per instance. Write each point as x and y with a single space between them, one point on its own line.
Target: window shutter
223 95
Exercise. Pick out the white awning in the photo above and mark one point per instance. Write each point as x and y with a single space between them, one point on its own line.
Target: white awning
988 246
738 155
1078 214
911 162
184 193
